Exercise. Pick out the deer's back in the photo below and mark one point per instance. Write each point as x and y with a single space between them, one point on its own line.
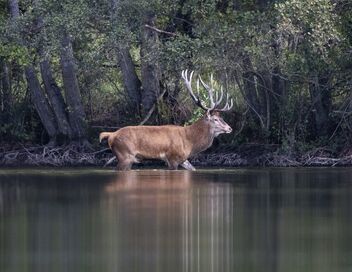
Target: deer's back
151 141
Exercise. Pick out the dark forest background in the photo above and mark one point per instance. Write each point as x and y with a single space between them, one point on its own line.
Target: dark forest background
70 69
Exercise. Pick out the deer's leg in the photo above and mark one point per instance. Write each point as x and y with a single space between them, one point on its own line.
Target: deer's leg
123 165
124 162
187 165
173 165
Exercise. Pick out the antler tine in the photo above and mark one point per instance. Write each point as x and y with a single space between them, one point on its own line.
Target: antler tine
210 92
212 83
188 83
218 100
214 97
227 102
204 107
231 104
198 88
228 106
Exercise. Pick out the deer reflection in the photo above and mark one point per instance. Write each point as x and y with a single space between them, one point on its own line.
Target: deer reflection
147 180
185 219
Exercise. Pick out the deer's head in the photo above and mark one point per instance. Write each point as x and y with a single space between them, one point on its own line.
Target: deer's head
217 124
212 112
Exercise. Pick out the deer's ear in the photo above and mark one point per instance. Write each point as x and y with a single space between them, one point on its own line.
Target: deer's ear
208 114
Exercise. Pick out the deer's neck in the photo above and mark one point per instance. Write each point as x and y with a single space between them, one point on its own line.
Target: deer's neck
199 135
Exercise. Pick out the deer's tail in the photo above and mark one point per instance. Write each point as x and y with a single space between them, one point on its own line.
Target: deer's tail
104 135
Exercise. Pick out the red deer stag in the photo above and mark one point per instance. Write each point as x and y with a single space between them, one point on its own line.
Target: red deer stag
170 143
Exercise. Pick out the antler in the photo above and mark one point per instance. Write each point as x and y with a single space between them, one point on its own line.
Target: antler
227 106
214 101
188 82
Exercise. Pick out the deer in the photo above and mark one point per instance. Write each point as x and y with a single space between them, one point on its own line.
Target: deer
172 143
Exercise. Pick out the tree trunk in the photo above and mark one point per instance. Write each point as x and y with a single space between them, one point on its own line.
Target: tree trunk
53 91
251 91
249 84
262 4
265 95
14 9
321 101
130 79
41 104
131 82
16 69
256 88
76 115
149 66
349 118
56 99
37 95
279 100
5 86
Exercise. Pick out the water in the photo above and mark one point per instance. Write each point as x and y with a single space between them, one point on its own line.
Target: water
232 220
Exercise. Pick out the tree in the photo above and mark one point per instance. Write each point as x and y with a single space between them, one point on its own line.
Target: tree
127 67
150 70
56 100
76 112
37 95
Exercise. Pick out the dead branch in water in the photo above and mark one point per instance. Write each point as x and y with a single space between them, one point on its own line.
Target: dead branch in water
57 156
109 161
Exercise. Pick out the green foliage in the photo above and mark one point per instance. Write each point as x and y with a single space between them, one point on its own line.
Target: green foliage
307 32
196 115
15 52
177 53
286 46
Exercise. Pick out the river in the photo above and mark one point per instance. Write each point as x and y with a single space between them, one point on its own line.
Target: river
260 219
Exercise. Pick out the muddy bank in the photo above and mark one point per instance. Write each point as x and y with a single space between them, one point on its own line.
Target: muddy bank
241 156
271 156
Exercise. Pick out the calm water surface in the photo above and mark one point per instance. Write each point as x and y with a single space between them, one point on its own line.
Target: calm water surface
209 220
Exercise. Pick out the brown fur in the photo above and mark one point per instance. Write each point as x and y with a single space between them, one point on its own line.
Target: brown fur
173 144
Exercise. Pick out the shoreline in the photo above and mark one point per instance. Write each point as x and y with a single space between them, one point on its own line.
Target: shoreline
225 157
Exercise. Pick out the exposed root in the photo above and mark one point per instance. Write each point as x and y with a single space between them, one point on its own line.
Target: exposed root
317 157
70 155
273 159
219 159
327 161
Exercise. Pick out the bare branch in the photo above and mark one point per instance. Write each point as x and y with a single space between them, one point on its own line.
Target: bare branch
160 31
150 112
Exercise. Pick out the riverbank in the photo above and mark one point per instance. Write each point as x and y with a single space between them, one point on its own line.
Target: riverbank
242 156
